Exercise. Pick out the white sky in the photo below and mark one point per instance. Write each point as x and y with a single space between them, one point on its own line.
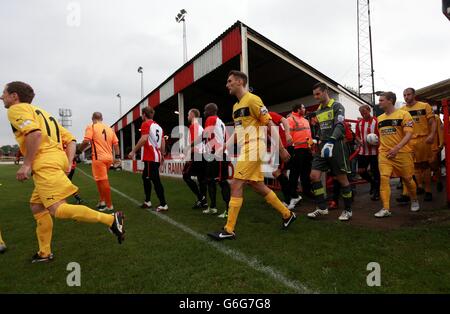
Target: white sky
84 67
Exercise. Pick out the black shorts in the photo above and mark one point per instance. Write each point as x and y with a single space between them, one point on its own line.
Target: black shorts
151 170
365 161
217 170
338 164
194 168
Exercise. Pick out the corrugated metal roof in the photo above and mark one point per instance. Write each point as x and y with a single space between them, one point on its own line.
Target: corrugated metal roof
436 92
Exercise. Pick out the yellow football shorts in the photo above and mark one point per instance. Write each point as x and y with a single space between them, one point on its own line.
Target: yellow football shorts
401 165
51 183
248 165
422 152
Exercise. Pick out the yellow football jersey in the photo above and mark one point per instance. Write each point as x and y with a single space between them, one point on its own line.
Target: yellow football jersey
249 115
421 112
393 128
26 118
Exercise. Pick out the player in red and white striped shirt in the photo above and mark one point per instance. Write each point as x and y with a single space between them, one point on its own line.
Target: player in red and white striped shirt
195 164
368 154
152 139
216 159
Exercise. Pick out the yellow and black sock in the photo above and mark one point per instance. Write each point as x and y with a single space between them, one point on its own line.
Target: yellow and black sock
44 232
275 202
233 211
319 195
347 196
84 214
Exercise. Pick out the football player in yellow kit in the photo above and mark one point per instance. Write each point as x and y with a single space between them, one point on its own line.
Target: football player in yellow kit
395 154
250 116
40 139
421 141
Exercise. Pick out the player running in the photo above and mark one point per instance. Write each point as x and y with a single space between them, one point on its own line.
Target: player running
396 129
333 154
250 115
102 140
152 139
217 163
39 137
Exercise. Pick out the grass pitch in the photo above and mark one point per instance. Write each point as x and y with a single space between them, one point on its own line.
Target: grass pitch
160 257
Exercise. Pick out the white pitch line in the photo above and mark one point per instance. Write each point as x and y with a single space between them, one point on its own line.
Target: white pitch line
252 262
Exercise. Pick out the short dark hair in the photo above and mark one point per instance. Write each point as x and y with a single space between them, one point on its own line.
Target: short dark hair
323 87
24 91
213 107
390 96
410 89
196 112
240 75
297 107
149 112
97 116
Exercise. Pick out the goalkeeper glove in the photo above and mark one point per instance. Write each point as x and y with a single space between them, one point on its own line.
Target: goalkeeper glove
327 149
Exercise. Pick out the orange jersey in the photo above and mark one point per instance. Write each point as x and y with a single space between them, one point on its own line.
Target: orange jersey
102 139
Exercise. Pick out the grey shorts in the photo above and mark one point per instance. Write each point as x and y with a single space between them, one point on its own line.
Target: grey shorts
338 164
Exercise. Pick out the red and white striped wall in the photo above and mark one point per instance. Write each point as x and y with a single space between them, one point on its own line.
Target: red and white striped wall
221 52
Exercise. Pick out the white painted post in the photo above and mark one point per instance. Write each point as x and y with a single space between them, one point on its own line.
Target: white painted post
244 54
181 119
